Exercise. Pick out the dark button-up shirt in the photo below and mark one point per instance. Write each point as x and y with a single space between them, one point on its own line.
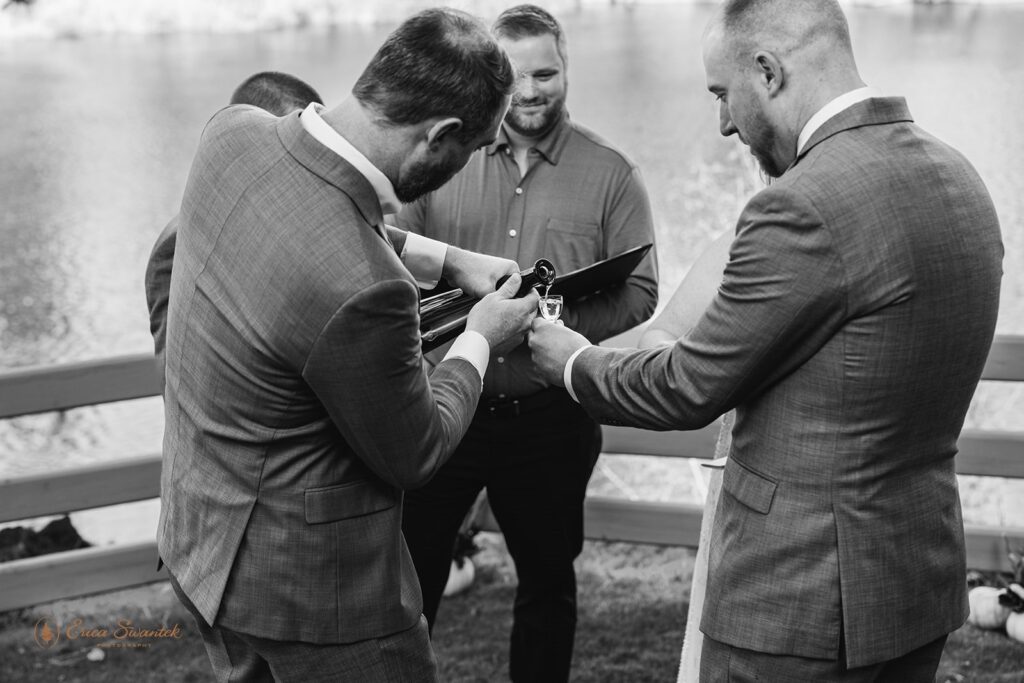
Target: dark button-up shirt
580 202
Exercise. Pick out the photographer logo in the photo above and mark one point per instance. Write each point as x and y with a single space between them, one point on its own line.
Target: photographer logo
46 633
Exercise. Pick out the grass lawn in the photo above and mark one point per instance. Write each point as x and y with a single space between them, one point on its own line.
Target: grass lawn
632 611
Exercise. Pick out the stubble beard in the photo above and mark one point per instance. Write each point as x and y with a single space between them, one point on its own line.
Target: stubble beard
536 125
423 178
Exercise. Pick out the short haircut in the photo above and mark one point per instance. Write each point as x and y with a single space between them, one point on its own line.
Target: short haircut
279 93
440 62
523 21
787 25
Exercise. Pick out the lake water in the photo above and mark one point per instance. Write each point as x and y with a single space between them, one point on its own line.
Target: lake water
99 131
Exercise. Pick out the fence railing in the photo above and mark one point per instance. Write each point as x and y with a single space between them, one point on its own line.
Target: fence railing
72 573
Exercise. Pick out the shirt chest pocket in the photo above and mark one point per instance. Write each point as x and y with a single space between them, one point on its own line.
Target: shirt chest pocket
571 244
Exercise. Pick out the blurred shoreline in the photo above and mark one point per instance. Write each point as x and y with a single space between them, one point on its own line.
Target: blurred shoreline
70 19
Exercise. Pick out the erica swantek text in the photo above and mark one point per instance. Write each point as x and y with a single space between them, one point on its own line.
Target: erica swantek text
48 632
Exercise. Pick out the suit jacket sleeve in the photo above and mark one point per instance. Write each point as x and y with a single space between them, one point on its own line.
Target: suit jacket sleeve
628 223
158 283
782 296
367 370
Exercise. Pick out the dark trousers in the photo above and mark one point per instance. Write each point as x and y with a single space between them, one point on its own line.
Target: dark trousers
242 658
720 663
535 458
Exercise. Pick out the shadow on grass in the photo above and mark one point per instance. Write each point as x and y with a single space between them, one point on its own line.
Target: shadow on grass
631 615
974 655
632 610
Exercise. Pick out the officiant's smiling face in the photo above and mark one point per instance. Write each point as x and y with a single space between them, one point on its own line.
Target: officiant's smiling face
539 96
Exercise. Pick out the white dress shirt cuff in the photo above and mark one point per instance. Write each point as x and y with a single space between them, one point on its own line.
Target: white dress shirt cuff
567 372
424 258
471 346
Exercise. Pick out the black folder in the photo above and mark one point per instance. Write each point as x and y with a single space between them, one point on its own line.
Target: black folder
443 316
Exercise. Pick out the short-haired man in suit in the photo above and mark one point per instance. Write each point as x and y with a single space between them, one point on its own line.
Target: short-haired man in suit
849 332
297 405
276 92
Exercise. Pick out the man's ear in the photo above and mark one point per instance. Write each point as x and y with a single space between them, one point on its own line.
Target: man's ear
440 131
769 71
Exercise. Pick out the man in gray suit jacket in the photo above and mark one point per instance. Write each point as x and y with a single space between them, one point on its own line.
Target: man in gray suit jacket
849 332
297 405
280 94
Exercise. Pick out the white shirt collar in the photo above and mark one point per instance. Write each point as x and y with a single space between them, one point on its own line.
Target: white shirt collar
841 103
333 140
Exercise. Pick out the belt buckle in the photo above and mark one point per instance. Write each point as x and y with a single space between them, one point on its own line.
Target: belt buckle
504 409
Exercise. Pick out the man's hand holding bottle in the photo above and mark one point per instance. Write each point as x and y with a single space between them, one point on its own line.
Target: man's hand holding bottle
502 316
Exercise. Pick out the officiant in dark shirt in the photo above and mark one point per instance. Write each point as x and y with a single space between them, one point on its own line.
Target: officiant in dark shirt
547 188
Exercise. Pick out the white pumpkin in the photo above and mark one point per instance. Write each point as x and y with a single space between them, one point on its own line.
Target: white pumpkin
1015 626
1015 622
986 612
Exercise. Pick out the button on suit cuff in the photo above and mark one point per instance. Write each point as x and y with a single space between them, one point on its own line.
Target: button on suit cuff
424 259
471 346
567 372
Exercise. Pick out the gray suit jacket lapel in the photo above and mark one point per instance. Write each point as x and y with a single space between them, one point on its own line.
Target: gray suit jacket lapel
872 112
330 167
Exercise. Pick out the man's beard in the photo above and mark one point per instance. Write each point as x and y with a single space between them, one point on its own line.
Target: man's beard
761 143
423 177
535 125
769 171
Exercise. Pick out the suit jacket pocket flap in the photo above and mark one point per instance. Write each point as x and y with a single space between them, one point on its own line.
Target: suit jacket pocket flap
344 501
749 487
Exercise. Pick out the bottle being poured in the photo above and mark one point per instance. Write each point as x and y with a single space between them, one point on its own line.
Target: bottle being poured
541 275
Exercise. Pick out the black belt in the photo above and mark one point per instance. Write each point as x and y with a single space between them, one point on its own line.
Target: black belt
506 408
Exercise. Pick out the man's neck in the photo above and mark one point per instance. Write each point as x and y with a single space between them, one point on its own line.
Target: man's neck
355 123
522 144
519 142
827 107
355 138
814 100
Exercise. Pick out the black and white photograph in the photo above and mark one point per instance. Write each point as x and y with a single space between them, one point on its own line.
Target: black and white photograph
602 341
